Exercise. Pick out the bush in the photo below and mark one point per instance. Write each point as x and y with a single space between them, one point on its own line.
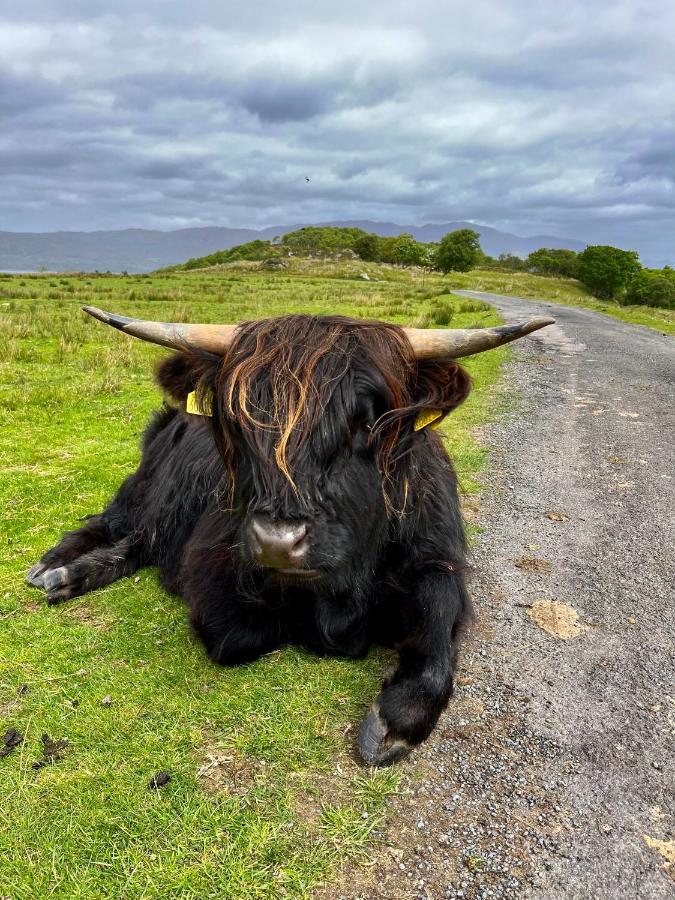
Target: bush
253 250
367 247
652 287
458 251
548 261
321 239
606 271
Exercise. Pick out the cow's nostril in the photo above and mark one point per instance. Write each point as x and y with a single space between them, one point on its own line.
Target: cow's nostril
279 544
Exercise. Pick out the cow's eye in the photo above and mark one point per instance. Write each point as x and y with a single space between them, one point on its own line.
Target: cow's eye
361 423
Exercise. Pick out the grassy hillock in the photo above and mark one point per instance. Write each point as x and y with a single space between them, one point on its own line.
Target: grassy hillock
314 241
311 241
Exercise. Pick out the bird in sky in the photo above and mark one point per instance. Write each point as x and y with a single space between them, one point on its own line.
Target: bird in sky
306 178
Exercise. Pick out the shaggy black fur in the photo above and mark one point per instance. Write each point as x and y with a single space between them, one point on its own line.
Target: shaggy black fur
313 422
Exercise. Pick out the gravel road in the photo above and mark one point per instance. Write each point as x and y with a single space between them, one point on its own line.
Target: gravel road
552 773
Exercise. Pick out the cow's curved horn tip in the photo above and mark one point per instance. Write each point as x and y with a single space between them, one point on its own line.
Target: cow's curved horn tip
97 313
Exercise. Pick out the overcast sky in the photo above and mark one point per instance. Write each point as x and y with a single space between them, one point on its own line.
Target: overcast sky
553 118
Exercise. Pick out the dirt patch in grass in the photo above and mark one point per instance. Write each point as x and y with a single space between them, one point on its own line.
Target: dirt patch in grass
83 614
8 708
332 788
471 510
229 771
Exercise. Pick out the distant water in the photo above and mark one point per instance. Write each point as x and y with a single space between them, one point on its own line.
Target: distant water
58 272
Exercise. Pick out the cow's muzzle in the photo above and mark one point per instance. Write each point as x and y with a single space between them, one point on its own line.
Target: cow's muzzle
281 545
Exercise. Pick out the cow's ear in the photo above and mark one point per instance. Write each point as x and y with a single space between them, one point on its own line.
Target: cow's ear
178 375
438 387
435 389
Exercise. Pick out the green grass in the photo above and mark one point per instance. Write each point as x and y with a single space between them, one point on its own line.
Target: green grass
74 398
560 290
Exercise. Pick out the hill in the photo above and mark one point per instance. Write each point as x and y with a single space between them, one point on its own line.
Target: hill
144 250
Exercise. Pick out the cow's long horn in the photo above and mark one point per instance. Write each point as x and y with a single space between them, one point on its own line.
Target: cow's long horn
214 338
451 343
427 343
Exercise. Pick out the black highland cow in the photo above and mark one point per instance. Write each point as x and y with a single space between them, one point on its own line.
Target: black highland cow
308 505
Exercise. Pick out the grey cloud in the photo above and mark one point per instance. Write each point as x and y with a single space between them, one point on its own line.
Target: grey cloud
266 91
274 101
22 94
167 169
353 167
654 158
29 160
142 92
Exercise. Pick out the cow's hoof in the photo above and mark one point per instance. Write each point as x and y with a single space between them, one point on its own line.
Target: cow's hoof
35 577
55 578
376 746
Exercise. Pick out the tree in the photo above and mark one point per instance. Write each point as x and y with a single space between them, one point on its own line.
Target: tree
549 261
387 249
505 262
366 247
511 263
652 287
606 270
407 251
458 251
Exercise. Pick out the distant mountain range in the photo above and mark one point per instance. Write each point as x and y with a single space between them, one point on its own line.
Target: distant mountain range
143 250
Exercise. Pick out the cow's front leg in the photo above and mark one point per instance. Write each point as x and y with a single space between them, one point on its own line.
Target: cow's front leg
411 701
234 629
234 634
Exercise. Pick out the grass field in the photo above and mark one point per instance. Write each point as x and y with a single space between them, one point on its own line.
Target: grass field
265 798
560 290
566 291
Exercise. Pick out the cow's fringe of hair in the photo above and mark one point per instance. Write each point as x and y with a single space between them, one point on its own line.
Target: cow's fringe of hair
307 357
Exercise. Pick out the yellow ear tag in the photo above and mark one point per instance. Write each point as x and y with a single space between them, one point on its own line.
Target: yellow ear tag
198 407
426 417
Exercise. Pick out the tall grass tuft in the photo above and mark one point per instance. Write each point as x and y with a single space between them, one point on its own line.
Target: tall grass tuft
442 313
